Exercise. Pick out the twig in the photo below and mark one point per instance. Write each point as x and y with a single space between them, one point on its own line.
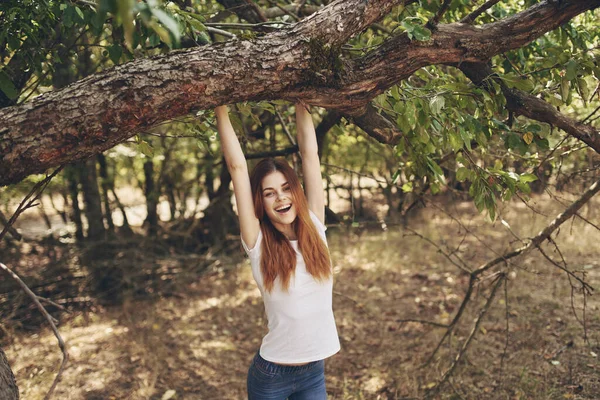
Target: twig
455 320
433 22
353 172
591 114
221 32
285 128
234 25
290 13
469 19
274 153
547 231
14 233
62 308
448 256
424 322
37 190
431 392
584 284
49 318
507 316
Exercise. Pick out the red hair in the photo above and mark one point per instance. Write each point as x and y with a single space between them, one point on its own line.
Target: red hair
278 257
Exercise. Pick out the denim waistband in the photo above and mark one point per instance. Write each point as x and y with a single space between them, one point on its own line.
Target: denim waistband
272 367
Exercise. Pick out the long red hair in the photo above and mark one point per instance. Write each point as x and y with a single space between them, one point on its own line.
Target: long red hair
278 257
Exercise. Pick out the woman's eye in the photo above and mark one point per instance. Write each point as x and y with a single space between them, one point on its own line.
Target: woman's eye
270 194
286 189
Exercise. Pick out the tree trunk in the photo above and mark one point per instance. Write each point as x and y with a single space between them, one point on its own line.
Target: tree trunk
126 228
71 175
105 185
8 384
301 62
91 200
150 191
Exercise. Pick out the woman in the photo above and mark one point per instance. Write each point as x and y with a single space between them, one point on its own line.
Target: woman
283 233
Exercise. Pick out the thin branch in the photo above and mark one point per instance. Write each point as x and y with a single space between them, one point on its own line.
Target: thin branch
275 153
507 317
49 318
537 240
37 190
434 390
424 322
448 256
221 32
238 25
455 320
353 172
285 128
591 114
433 22
469 19
288 12
14 233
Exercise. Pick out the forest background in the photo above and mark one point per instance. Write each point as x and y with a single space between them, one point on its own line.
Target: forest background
460 150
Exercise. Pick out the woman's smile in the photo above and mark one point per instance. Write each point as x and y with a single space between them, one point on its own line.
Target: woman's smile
278 202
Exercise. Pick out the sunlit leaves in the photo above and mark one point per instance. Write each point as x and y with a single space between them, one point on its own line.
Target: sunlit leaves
415 30
151 13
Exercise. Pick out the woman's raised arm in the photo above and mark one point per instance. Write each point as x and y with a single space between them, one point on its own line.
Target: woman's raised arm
311 167
238 169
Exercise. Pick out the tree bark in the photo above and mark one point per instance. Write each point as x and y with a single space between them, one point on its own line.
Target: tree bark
151 193
105 185
301 62
8 384
91 199
73 183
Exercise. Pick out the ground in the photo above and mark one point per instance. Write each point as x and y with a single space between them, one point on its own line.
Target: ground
196 339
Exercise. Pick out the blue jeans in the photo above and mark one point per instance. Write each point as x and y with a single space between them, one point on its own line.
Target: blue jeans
270 381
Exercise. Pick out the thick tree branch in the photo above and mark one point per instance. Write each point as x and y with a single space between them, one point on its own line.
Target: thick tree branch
302 62
532 107
378 126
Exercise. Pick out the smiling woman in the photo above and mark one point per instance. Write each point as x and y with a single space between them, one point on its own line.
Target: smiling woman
283 234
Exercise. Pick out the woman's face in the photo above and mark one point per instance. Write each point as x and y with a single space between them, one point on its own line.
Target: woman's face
277 200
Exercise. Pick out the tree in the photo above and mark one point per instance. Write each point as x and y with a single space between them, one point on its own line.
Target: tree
301 62
499 77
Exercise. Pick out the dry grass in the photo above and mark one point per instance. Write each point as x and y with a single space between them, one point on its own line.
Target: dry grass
200 343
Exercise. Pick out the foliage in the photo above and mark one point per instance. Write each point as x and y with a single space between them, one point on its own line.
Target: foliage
455 133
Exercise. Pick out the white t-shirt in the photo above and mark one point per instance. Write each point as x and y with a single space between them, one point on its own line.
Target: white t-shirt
301 323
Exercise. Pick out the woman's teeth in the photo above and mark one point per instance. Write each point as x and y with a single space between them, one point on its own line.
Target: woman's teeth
283 209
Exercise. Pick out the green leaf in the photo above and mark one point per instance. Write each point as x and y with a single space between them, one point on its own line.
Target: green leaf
584 91
565 87
528 137
513 80
7 87
437 104
462 174
407 187
526 178
571 70
396 176
125 14
166 20
115 52
146 149
435 168
421 33
80 14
